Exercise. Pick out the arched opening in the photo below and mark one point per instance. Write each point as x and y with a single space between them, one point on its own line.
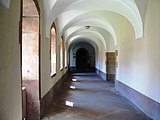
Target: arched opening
82 59
53 42
30 60
61 54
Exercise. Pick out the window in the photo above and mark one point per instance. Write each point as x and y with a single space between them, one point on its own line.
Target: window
65 58
61 53
53 51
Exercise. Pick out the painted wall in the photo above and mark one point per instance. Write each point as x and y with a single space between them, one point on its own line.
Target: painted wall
138 60
47 82
10 73
101 61
101 64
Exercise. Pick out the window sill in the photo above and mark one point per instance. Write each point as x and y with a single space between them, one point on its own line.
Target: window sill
53 75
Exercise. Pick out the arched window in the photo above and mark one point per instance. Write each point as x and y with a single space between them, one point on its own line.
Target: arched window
53 50
61 53
65 58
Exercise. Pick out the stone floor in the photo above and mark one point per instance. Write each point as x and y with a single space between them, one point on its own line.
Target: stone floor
92 99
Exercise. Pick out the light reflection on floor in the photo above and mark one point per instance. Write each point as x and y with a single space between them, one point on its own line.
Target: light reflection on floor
87 97
68 103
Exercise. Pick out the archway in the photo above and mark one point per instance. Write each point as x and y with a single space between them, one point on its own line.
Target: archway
78 49
30 60
82 59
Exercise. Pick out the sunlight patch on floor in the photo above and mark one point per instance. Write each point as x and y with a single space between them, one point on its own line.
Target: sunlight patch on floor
72 87
74 80
68 103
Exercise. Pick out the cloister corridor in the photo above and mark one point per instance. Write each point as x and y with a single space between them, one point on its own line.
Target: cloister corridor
79 59
86 96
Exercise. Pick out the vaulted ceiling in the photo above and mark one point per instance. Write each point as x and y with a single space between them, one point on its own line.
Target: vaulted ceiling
96 20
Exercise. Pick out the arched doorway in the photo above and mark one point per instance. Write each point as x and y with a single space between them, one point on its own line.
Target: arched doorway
79 49
30 54
82 59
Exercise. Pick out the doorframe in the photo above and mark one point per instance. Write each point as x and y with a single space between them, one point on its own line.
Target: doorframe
20 44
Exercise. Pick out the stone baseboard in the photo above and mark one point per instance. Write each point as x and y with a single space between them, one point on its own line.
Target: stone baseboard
101 74
32 99
47 99
110 77
144 103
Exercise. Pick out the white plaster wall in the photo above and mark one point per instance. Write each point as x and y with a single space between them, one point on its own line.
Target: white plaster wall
72 60
10 73
47 82
97 60
101 65
139 65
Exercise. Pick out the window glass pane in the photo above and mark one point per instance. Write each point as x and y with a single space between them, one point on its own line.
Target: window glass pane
65 58
61 54
53 51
